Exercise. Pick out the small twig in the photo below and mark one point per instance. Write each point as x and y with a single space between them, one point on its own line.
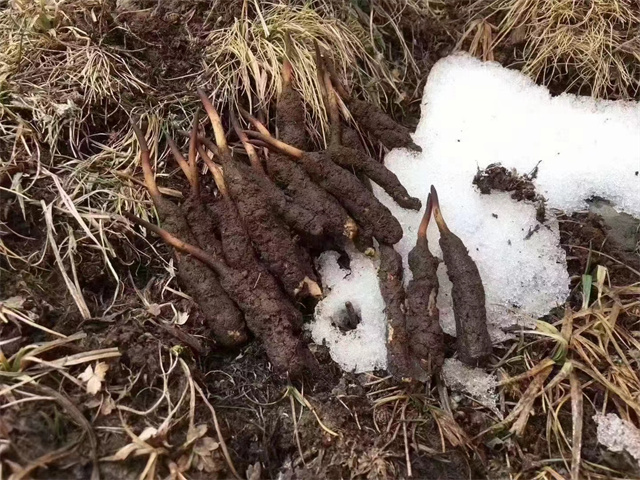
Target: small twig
216 265
145 162
216 122
406 441
276 144
223 444
251 151
577 417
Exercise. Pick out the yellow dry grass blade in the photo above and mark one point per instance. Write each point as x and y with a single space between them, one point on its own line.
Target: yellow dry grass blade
243 61
593 44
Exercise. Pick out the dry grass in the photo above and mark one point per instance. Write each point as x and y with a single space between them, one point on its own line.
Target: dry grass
591 45
243 61
591 359
69 163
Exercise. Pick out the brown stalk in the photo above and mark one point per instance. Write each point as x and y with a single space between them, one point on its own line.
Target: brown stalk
216 172
149 178
178 244
437 213
180 160
424 224
216 122
193 145
257 124
276 144
251 151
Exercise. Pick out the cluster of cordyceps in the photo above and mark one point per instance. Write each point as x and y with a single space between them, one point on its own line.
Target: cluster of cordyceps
244 257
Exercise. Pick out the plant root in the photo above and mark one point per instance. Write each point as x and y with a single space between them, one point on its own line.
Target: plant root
474 343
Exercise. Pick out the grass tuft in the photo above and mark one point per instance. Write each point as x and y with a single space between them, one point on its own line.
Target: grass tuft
592 46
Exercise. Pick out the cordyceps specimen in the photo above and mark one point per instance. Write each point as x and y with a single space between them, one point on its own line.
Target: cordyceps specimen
375 121
289 175
253 194
355 159
269 314
474 343
222 315
415 341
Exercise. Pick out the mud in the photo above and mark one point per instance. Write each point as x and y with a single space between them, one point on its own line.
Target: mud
588 242
521 187
426 337
377 172
400 363
381 125
474 344
359 202
223 316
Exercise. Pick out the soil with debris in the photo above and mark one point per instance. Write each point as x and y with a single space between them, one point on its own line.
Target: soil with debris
521 187
146 415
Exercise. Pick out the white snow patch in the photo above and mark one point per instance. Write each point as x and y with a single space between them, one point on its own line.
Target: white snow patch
475 114
474 381
364 348
618 435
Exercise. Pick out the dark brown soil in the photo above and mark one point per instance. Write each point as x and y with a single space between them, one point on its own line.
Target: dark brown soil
353 160
521 187
585 238
201 283
359 202
467 292
423 318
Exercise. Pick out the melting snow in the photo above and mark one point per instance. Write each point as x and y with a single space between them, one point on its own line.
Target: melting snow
475 114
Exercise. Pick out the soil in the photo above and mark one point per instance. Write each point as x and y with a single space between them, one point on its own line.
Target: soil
521 187
586 240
